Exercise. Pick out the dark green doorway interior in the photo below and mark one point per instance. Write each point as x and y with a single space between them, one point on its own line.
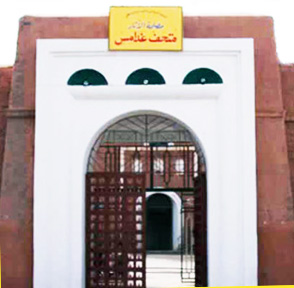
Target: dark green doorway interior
159 223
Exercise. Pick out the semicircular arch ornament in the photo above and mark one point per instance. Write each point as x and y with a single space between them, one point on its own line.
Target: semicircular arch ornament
202 76
145 76
87 77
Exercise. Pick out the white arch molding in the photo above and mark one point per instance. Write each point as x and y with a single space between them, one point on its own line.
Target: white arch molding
176 215
65 125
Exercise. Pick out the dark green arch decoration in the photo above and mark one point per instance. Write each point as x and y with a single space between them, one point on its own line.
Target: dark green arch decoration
145 76
87 77
202 76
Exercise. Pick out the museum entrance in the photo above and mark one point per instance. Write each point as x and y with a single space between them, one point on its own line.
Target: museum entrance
137 155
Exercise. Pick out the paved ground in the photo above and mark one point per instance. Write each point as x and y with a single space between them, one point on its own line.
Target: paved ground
164 271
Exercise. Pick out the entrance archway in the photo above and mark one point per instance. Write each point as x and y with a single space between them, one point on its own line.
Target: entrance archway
140 153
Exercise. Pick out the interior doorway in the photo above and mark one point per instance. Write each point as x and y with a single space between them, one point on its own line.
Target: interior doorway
159 223
134 156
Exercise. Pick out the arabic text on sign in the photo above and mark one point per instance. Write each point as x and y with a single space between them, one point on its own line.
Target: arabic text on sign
141 37
139 25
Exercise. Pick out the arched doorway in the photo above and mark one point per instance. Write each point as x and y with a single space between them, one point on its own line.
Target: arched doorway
140 153
159 223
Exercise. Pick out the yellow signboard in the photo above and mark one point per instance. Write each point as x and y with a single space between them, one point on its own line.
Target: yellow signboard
146 28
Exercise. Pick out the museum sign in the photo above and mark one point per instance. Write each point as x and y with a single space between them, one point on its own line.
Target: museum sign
146 28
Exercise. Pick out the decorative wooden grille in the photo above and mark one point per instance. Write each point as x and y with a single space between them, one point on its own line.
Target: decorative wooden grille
200 230
115 230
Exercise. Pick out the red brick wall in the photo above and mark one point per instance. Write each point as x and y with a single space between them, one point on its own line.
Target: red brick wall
5 85
172 177
287 79
287 238
275 210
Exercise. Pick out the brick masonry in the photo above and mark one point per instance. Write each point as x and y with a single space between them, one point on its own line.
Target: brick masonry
274 145
5 84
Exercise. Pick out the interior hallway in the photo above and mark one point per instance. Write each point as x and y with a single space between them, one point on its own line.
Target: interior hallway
164 271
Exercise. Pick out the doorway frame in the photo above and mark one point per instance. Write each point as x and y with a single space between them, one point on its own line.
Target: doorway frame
176 209
57 127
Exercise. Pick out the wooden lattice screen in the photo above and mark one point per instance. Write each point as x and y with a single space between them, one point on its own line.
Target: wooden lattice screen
200 230
115 227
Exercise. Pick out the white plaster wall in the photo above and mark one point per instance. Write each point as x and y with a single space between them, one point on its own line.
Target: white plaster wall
66 127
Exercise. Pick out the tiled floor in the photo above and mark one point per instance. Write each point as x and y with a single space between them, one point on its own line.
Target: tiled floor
164 271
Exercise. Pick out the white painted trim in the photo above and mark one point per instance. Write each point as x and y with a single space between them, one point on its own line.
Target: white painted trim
139 92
